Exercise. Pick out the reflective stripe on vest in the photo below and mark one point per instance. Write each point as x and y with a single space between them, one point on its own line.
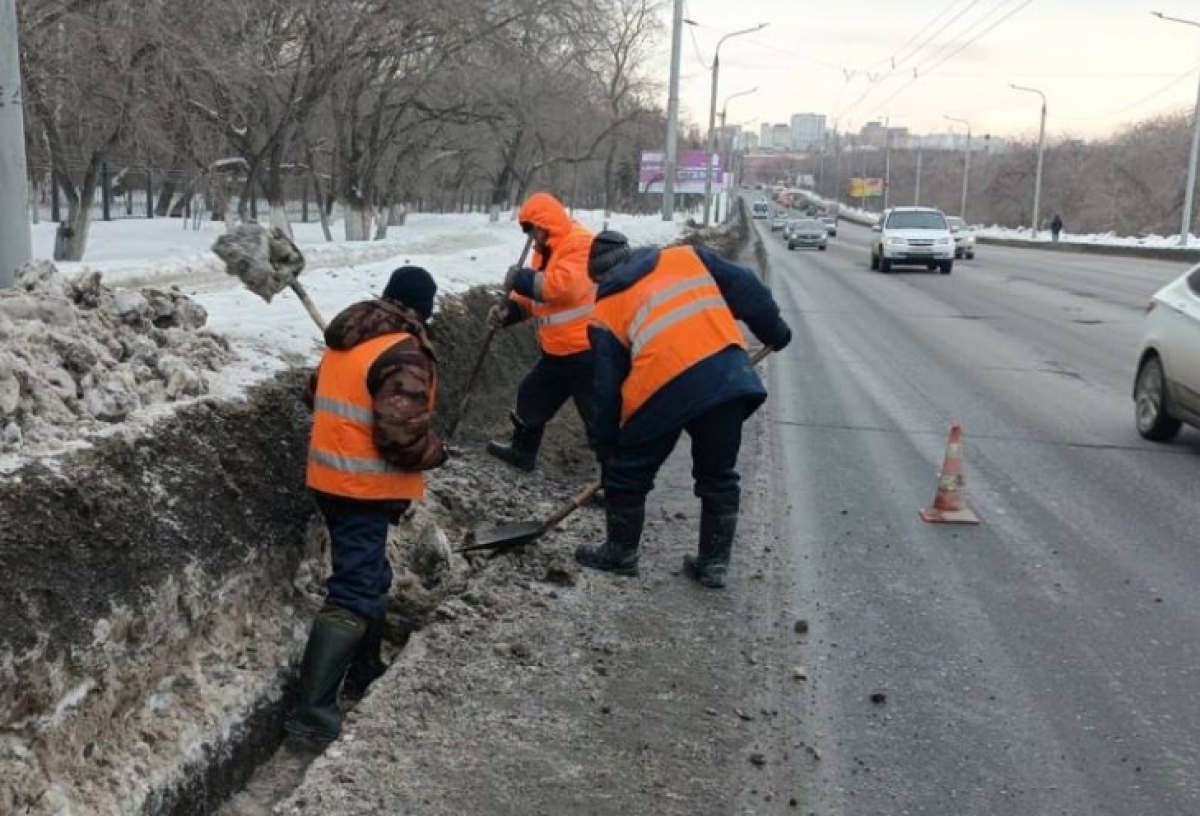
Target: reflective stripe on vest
342 457
559 318
670 320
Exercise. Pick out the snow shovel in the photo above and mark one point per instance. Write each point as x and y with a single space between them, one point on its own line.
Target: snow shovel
475 369
510 536
507 537
267 262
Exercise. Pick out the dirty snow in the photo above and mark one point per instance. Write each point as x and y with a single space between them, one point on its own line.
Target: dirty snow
78 368
77 355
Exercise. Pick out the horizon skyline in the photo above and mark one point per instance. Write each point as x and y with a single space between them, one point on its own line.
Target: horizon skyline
966 54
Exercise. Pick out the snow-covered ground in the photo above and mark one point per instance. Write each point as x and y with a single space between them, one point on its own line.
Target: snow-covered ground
460 251
1105 238
1044 236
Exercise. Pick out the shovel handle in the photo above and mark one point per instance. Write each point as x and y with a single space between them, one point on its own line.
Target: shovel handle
466 397
308 304
478 366
578 500
760 355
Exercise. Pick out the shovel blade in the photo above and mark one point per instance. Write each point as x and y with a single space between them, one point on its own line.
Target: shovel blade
507 534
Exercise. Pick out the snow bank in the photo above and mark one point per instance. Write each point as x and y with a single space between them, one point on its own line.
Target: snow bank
1101 238
77 355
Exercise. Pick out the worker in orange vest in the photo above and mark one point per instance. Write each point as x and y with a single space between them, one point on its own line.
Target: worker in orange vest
557 293
373 399
669 358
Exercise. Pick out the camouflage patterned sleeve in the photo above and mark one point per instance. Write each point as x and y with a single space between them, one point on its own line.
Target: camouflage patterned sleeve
400 382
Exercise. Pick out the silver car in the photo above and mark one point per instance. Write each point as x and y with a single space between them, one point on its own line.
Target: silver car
807 232
1166 390
964 238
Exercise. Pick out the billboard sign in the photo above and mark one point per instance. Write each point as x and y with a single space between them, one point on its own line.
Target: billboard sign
866 187
689 172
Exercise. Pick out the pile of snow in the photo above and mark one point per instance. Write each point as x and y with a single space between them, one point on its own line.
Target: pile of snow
76 356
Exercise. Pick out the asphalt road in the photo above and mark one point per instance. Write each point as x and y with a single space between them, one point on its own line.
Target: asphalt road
1047 661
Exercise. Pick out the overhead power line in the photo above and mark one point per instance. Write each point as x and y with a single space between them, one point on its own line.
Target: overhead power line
919 74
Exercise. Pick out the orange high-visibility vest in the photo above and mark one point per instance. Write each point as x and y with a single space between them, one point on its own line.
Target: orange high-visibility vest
562 327
670 320
342 457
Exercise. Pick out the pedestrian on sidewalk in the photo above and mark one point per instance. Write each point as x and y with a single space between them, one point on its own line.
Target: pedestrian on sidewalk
557 294
1056 226
373 399
670 358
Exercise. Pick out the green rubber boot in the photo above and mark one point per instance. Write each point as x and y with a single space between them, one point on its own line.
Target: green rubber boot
334 637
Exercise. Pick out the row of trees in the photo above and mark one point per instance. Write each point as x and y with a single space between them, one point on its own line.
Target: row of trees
371 102
1131 183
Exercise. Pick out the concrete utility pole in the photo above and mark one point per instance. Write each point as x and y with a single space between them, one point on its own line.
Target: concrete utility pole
962 213
1037 184
14 181
669 160
887 160
1190 190
712 116
917 194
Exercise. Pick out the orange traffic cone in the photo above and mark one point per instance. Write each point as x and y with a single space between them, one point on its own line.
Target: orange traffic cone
948 504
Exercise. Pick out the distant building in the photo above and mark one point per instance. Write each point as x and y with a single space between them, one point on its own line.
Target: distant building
876 134
781 137
766 136
807 131
747 141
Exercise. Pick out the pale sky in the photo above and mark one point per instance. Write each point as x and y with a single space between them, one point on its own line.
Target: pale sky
1101 63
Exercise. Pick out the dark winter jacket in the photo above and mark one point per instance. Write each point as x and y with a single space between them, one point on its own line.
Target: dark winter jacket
399 381
720 378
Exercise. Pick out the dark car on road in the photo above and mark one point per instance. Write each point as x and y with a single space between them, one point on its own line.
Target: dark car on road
807 232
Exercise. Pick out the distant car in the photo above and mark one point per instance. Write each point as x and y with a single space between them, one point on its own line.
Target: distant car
807 232
778 222
912 236
1166 389
760 209
831 224
964 238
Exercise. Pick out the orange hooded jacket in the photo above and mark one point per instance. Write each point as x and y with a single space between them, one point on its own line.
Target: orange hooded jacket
557 292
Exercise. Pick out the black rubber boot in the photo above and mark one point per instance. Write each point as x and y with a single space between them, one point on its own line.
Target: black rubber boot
367 665
619 553
332 642
522 451
710 567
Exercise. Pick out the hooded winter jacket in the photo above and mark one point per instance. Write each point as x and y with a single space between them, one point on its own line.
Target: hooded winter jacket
556 292
665 347
373 398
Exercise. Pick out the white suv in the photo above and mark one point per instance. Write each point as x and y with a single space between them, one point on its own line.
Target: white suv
915 236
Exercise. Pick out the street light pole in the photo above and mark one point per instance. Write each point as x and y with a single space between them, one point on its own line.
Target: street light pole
962 213
730 153
712 117
1037 184
1189 192
668 198
14 179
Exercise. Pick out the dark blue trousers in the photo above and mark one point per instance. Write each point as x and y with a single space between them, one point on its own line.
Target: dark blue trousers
716 440
550 383
358 534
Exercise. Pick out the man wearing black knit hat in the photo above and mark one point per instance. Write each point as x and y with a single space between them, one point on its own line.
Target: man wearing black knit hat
668 358
372 438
